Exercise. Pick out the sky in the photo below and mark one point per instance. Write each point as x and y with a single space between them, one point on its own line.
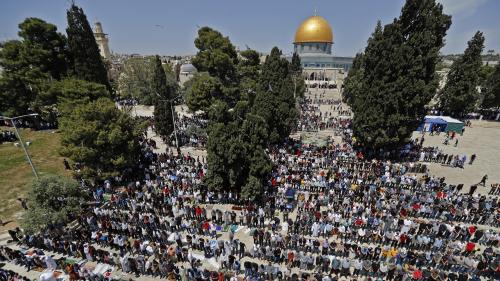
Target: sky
169 27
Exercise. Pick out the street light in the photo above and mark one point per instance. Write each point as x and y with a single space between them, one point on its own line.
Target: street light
19 137
173 117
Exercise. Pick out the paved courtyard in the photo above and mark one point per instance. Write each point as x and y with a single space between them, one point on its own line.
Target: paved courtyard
482 139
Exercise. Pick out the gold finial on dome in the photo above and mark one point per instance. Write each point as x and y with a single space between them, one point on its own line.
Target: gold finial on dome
314 30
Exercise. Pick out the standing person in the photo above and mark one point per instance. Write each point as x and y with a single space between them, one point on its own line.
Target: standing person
472 158
456 142
483 180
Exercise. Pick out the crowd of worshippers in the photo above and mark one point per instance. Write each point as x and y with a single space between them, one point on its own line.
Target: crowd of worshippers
435 154
7 136
312 119
324 210
29 259
191 131
9 275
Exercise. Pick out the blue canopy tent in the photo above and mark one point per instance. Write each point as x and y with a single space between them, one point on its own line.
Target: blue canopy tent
440 123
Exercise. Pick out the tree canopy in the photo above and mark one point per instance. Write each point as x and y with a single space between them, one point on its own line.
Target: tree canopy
30 64
227 89
52 201
203 91
274 100
396 79
136 79
86 62
492 90
164 94
71 91
353 83
103 139
460 95
216 55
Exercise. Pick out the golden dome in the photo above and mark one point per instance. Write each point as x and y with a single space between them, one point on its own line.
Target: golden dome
314 29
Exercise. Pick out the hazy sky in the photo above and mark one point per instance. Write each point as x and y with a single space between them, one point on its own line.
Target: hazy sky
169 27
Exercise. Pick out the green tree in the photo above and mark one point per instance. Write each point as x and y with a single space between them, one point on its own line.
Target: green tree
203 91
252 190
398 75
164 124
62 96
236 157
72 91
45 48
102 138
86 61
225 89
52 201
274 100
298 80
460 95
216 55
354 81
484 74
136 79
249 71
30 64
492 90
226 157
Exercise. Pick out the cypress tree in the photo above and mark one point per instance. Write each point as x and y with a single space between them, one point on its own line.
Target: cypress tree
86 62
352 84
399 78
296 67
298 81
274 100
459 96
164 124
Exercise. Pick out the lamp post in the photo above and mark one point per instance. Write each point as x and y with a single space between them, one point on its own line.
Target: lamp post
173 117
20 140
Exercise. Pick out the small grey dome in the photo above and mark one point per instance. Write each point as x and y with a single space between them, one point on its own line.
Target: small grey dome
188 68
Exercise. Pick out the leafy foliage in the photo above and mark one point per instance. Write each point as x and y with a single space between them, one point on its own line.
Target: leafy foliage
86 62
52 201
353 83
216 55
249 71
274 100
102 138
44 47
227 90
30 64
298 80
396 80
202 92
70 92
459 96
492 90
136 79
